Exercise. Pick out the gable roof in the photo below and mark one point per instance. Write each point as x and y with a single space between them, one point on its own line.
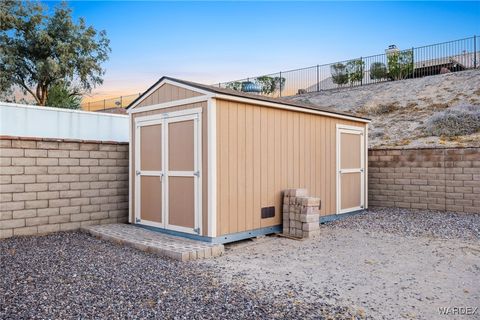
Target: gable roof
230 92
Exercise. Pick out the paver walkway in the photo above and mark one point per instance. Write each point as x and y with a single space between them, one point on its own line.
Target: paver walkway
165 245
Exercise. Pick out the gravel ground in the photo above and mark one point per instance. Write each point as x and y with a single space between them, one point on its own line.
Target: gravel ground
75 276
385 264
416 223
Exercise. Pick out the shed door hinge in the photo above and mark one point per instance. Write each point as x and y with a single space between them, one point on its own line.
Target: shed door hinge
196 230
137 220
137 172
196 173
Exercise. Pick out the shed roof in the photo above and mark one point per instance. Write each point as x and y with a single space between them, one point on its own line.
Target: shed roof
253 97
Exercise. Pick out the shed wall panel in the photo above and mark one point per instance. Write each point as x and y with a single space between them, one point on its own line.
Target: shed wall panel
262 151
167 93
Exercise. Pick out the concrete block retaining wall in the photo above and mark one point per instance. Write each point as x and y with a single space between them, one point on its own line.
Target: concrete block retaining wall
437 179
49 185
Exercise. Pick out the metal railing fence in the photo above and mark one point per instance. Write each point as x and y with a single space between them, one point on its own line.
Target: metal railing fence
117 102
393 65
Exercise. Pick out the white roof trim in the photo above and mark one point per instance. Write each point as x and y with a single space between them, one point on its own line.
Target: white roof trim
170 104
280 105
168 81
208 94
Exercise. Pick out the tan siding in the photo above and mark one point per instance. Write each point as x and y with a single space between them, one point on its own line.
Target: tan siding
257 163
249 176
222 171
202 105
241 216
166 93
262 151
233 165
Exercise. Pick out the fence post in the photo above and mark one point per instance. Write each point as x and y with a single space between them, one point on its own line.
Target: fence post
280 83
475 51
363 71
318 79
121 102
89 106
413 63
103 104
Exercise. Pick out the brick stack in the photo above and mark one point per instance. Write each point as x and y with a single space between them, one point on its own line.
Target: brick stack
300 214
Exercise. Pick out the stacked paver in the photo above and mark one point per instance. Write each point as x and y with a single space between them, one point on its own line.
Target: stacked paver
176 248
300 214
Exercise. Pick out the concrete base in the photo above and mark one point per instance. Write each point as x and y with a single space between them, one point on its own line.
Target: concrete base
173 247
232 237
334 217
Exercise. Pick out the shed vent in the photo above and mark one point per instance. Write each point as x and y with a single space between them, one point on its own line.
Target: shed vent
268 212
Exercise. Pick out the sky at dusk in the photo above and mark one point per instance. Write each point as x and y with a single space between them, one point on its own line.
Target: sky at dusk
213 42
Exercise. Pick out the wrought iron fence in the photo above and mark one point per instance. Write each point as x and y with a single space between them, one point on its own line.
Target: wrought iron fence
117 102
392 65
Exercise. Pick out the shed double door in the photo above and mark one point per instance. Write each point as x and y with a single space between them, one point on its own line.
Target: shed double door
350 168
168 184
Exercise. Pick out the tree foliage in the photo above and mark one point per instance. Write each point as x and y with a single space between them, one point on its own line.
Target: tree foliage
355 70
378 71
38 51
234 85
271 84
267 84
339 73
59 96
400 64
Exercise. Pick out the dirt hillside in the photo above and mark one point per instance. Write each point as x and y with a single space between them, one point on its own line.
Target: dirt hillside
441 110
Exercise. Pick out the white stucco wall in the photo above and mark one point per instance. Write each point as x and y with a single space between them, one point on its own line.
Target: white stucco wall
45 122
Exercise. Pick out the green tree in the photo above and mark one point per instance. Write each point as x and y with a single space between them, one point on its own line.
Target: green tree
271 84
60 96
339 73
38 51
378 71
234 85
400 64
355 70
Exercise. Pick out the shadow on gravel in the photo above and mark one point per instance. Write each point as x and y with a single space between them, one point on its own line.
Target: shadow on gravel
71 275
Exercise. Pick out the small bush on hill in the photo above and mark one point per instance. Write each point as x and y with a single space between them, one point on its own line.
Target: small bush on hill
378 109
455 121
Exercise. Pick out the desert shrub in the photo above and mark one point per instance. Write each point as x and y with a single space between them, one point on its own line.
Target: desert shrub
234 85
339 73
377 134
378 71
378 109
456 121
355 71
400 64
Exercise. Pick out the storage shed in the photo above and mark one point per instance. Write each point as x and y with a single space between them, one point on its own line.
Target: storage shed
205 161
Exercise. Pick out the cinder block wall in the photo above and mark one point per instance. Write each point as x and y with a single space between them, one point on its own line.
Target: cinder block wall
438 179
49 185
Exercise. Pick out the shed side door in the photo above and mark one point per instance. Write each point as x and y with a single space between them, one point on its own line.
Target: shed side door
183 156
149 174
350 169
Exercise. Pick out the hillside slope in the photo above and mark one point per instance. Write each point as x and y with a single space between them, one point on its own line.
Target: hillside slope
402 111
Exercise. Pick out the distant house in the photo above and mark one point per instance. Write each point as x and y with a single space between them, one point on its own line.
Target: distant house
453 63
